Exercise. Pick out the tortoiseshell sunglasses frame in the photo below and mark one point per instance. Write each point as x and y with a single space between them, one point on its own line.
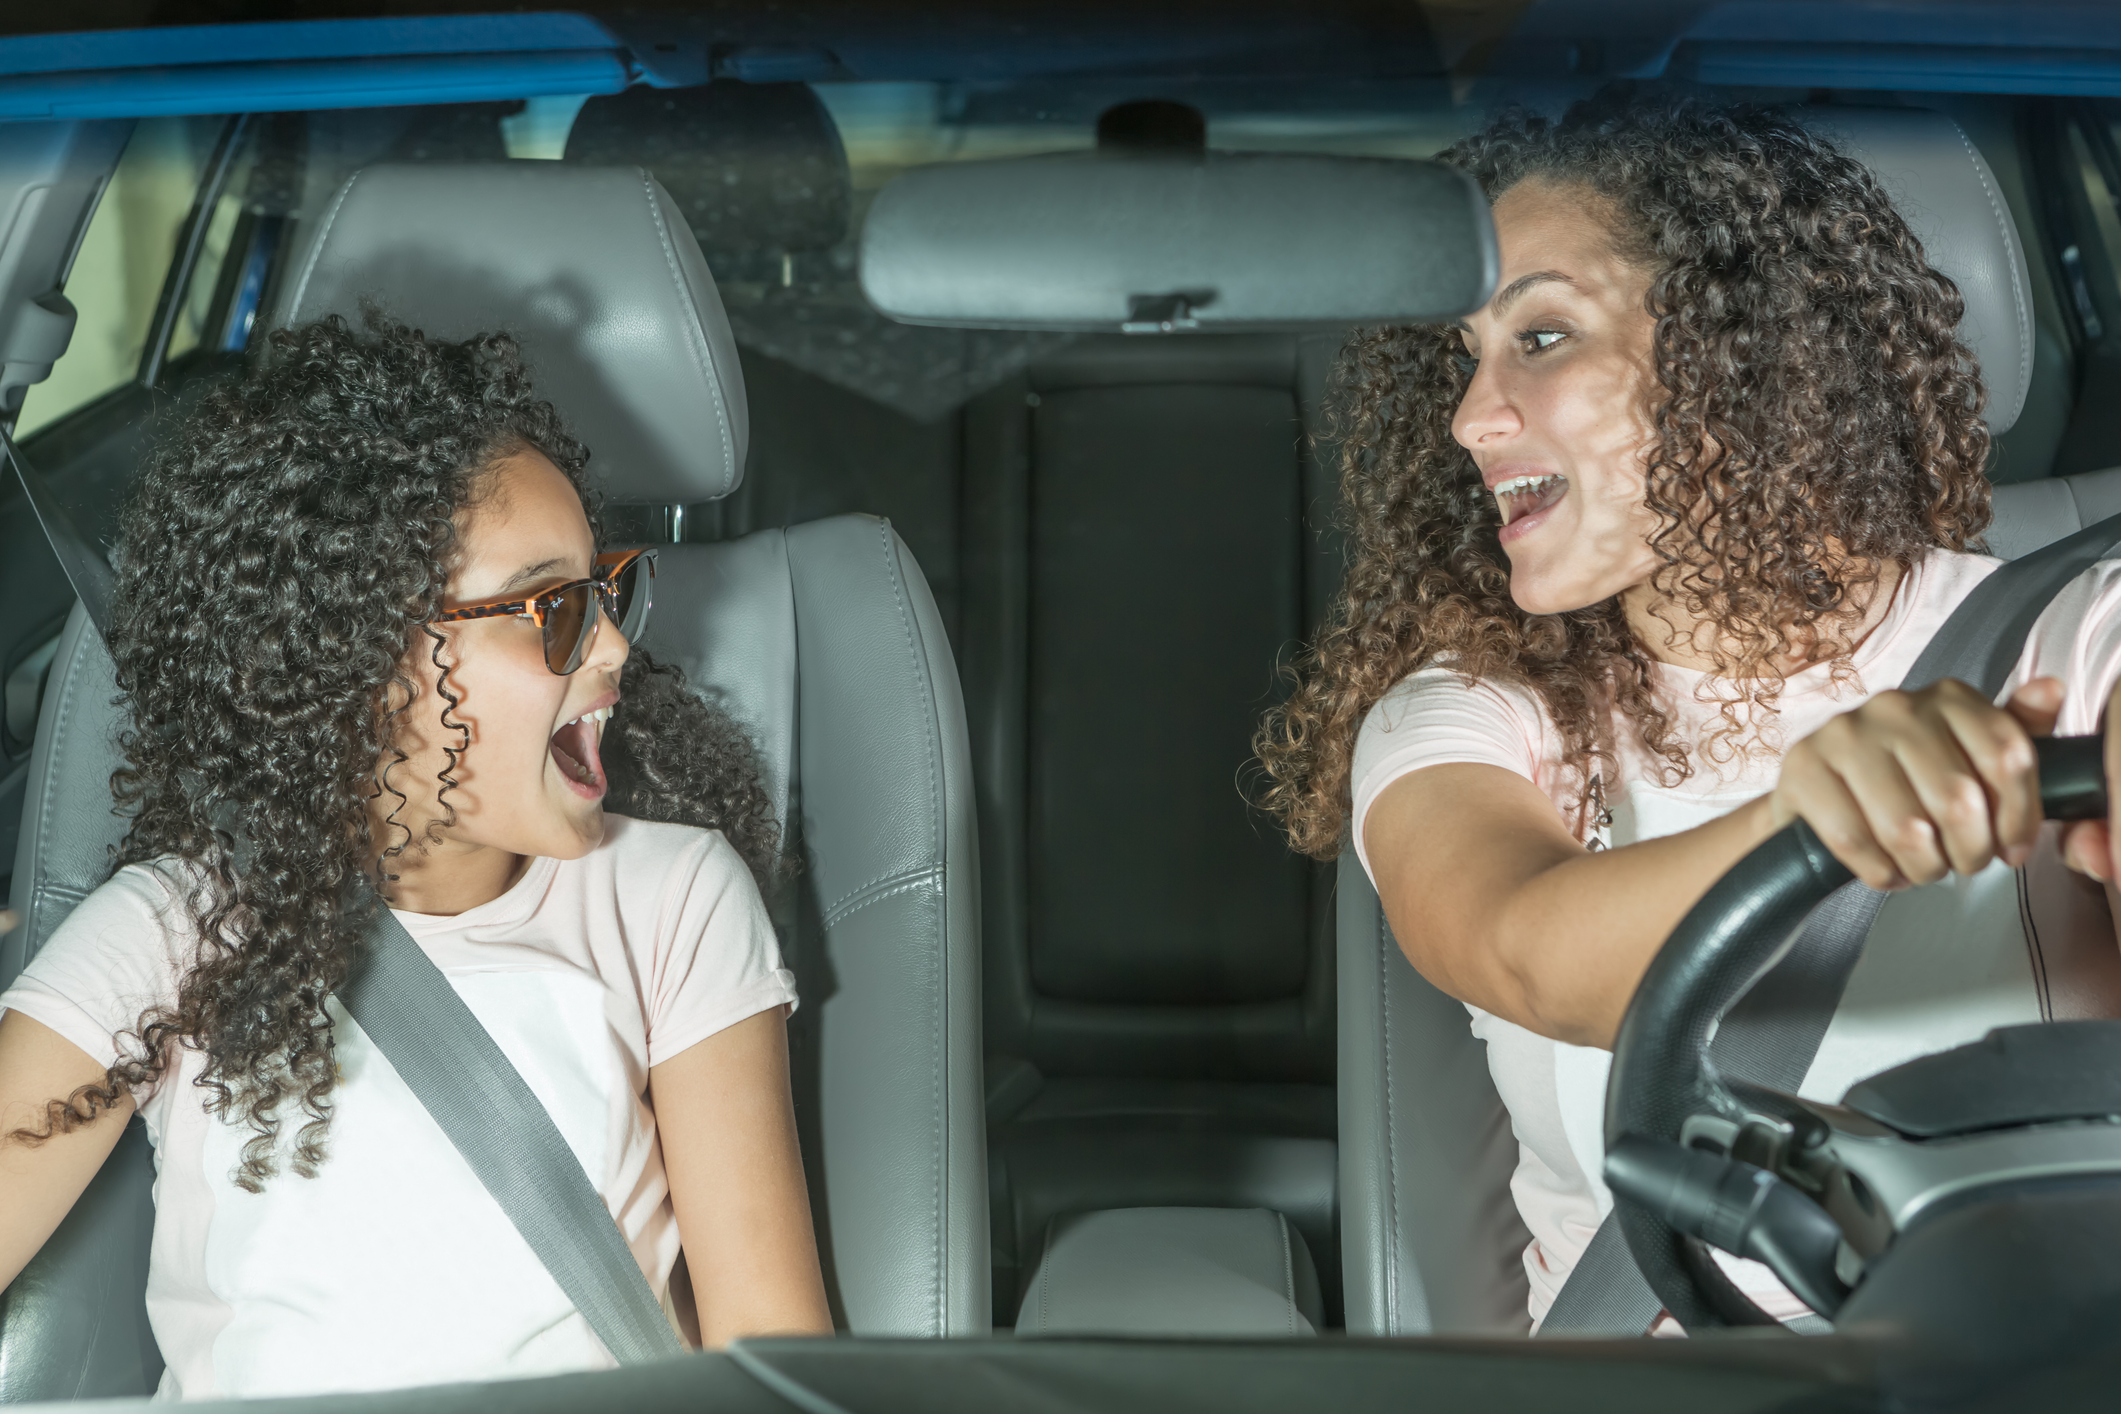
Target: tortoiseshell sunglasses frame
603 599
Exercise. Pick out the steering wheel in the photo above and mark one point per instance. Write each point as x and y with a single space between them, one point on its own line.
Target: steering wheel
1664 1089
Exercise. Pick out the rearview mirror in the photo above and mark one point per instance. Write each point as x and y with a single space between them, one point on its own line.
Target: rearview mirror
1168 240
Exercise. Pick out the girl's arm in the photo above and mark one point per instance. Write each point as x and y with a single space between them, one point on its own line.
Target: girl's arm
40 1182
1495 902
727 1122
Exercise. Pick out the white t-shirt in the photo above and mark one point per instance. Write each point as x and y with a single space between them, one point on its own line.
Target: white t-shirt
1943 964
393 1266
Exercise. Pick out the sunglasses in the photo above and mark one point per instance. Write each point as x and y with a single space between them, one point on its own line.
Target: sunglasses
622 587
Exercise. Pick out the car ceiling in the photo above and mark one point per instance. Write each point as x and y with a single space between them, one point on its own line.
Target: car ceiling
135 57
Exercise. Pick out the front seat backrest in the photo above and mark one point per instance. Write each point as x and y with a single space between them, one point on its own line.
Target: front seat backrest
855 705
1430 1241
822 640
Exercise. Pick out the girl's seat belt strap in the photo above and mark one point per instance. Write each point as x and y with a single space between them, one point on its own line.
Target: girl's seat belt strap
463 1079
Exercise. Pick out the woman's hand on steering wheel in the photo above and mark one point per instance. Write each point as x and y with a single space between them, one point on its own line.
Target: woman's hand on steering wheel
1912 786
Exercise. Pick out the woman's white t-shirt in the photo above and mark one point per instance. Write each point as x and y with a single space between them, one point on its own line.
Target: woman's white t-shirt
393 1266
1943 965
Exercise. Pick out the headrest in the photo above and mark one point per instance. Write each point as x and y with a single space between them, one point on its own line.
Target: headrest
1949 198
594 271
758 169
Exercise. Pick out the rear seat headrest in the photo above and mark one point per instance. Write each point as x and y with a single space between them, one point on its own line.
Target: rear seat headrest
594 271
1945 192
758 169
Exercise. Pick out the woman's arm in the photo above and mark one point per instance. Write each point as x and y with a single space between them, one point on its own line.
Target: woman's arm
39 1183
727 1122
1495 902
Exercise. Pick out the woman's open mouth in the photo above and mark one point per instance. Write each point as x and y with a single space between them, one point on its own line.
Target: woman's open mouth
575 751
1522 499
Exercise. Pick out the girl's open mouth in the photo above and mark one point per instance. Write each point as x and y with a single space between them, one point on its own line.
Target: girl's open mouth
575 751
1522 498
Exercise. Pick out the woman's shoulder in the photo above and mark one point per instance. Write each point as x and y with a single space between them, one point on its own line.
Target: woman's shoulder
1440 715
1441 694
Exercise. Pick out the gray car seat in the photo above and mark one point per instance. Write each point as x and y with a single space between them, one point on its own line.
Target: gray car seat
1430 1240
821 638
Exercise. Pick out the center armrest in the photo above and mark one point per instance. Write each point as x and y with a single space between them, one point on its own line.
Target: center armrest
1173 1272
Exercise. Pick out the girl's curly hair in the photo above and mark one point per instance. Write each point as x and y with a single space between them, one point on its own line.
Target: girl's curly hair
1816 417
284 549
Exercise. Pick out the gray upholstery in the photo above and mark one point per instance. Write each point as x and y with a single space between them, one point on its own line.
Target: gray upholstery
1944 190
2030 514
1174 1271
1430 1238
890 856
592 268
824 642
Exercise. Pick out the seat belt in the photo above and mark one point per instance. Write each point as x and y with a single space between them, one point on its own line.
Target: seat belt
1773 1034
462 1077
451 1064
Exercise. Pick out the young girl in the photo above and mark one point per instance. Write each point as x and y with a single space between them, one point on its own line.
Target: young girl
326 634
1636 546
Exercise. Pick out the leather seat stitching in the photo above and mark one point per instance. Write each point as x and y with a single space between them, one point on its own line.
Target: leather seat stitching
1391 1156
2010 272
316 250
908 884
42 887
938 1050
1288 1269
842 905
695 336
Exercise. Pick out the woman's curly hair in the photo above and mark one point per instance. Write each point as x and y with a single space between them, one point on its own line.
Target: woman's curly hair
1816 417
284 549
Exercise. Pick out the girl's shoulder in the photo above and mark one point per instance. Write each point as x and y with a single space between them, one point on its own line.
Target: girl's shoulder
658 874
121 950
138 904
634 848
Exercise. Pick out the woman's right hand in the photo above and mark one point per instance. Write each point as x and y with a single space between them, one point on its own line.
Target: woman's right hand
1911 786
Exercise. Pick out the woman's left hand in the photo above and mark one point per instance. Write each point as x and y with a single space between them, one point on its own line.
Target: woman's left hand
2094 846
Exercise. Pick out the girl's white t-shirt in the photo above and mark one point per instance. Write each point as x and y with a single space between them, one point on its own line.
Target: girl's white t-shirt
1943 964
393 1266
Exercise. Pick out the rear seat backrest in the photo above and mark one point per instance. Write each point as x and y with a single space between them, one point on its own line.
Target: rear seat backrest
1139 548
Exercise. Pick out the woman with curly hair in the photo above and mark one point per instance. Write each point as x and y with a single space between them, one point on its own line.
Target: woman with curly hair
367 643
1640 552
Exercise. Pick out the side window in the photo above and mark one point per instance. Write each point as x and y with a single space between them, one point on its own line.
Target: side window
253 201
124 259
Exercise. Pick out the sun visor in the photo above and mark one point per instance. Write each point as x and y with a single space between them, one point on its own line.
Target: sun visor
1174 241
